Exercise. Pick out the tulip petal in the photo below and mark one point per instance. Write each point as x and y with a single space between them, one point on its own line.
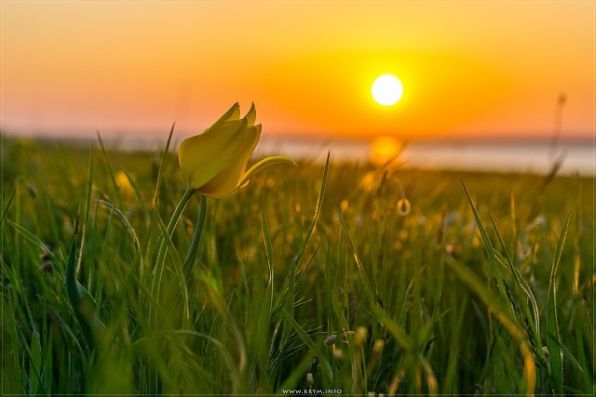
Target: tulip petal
265 163
251 115
204 156
226 182
233 113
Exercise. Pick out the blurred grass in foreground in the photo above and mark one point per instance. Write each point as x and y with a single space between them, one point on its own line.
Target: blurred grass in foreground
304 280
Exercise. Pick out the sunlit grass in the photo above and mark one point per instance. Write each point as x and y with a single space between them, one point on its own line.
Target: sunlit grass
310 277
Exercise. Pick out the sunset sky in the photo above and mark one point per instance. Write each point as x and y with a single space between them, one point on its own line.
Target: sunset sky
469 69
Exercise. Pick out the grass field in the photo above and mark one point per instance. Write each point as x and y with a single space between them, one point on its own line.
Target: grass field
309 279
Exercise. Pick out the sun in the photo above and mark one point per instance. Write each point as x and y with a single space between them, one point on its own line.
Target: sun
387 90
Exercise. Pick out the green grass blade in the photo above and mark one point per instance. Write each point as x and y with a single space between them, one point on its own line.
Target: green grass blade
319 205
74 296
164 157
193 249
269 257
566 352
28 235
110 168
307 340
472 281
521 282
35 364
490 251
88 195
488 245
122 217
552 321
8 203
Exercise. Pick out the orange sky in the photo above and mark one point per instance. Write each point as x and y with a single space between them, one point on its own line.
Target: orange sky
468 68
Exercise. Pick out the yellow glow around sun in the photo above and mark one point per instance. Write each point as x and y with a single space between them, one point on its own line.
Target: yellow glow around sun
387 90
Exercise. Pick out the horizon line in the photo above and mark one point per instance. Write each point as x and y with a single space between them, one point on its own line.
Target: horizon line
115 136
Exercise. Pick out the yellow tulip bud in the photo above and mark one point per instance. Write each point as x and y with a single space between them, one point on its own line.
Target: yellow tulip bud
215 161
124 184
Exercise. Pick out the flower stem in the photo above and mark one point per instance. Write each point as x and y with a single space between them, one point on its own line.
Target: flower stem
196 238
178 210
163 246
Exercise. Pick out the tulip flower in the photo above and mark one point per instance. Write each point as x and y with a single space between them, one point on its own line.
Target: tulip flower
214 164
215 161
